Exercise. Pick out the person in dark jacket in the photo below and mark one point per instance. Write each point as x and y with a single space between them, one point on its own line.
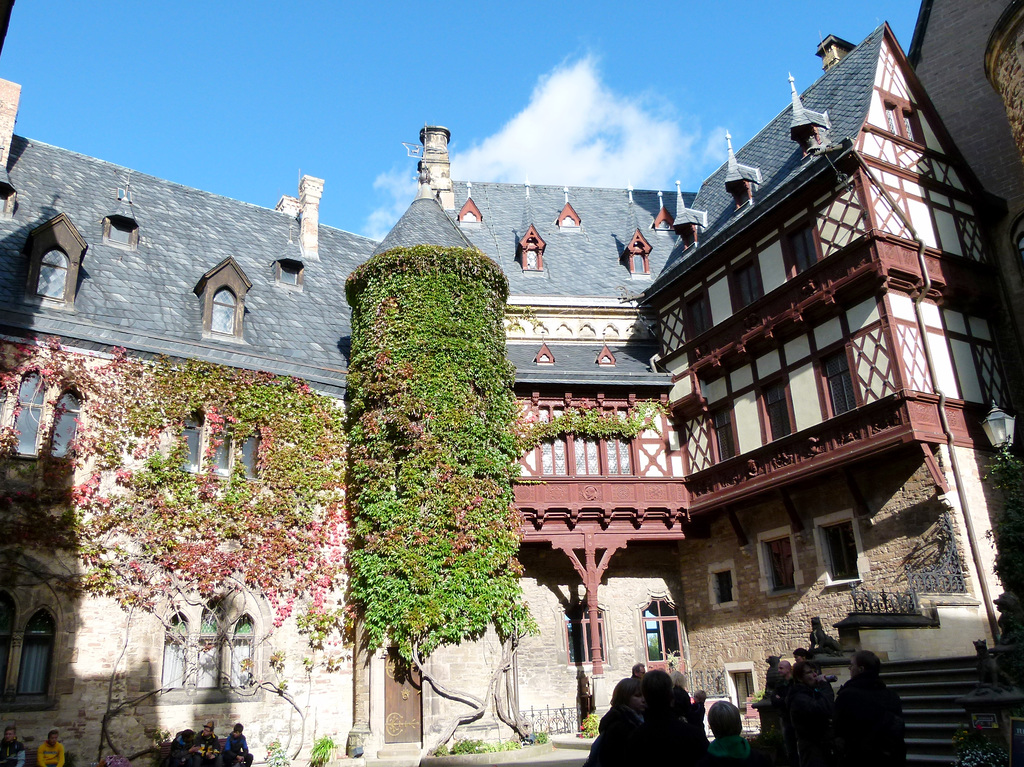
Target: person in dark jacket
686 709
810 710
869 723
206 750
730 748
181 749
780 702
625 715
236 750
664 738
12 750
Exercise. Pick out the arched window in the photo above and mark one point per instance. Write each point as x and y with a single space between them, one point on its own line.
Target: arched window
209 650
242 652
639 264
175 643
6 632
222 319
36 655
65 424
661 633
53 275
30 413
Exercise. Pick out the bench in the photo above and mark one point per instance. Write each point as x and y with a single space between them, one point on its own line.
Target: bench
165 751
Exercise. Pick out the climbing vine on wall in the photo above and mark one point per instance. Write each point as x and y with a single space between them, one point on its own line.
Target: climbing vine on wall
433 451
143 529
591 423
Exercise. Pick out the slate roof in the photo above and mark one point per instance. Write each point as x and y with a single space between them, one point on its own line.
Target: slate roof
143 299
583 262
424 223
844 92
576 364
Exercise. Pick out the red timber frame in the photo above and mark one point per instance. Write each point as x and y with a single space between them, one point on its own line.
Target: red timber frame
591 516
874 264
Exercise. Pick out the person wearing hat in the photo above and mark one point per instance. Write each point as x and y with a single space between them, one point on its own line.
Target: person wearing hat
206 751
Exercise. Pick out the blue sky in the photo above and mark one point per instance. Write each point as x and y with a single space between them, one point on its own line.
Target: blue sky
239 98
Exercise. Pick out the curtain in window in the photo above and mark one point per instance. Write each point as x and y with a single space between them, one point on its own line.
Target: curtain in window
173 673
209 651
241 652
30 400
36 653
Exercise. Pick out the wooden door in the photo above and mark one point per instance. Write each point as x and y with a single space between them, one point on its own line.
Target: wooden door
403 711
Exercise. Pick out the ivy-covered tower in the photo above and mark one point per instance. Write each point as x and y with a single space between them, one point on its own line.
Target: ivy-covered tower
434 533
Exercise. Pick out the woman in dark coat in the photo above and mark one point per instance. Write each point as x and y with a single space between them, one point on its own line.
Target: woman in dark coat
869 718
811 712
625 715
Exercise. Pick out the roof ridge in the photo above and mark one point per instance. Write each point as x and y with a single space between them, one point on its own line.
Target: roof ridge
560 187
204 192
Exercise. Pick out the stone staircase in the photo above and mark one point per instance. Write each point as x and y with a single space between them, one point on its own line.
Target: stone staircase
929 689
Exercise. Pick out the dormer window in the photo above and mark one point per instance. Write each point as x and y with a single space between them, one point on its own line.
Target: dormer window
663 222
225 305
569 219
544 356
531 251
605 358
637 254
289 272
121 230
55 252
470 213
222 290
53 275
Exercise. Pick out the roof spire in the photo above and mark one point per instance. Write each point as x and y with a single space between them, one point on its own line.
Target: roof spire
629 189
807 127
469 189
527 187
565 189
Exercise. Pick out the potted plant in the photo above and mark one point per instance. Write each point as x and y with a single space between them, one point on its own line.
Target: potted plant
323 751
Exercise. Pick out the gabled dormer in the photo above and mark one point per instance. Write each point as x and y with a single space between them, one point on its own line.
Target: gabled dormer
55 252
605 358
637 253
470 214
568 220
531 251
740 179
807 127
544 356
688 221
222 291
664 221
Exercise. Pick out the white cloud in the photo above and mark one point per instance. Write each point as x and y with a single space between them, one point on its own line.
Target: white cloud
576 131
398 187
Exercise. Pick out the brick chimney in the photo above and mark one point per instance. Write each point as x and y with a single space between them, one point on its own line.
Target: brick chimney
435 160
310 191
832 50
10 94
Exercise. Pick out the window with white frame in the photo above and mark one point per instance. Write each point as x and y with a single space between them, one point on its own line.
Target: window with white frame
838 544
31 413
577 634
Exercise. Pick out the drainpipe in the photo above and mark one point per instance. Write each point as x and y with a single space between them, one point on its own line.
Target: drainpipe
972 536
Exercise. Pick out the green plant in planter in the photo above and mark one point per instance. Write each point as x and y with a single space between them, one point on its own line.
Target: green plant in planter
322 752
541 738
276 755
973 749
588 729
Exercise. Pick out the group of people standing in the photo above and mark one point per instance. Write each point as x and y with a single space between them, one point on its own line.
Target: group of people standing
204 750
862 724
12 751
653 720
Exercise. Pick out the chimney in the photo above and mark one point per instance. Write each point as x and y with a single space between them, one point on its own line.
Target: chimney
10 94
310 191
289 205
832 50
435 161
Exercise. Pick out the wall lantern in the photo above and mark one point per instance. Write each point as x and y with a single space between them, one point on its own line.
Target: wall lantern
998 427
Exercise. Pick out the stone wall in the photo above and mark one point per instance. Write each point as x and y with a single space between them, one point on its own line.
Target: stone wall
903 507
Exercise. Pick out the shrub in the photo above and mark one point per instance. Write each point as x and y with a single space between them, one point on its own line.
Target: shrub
973 749
323 750
541 738
589 727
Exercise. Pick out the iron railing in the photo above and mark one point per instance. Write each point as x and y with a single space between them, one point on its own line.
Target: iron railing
947 576
885 602
711 681
564 720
